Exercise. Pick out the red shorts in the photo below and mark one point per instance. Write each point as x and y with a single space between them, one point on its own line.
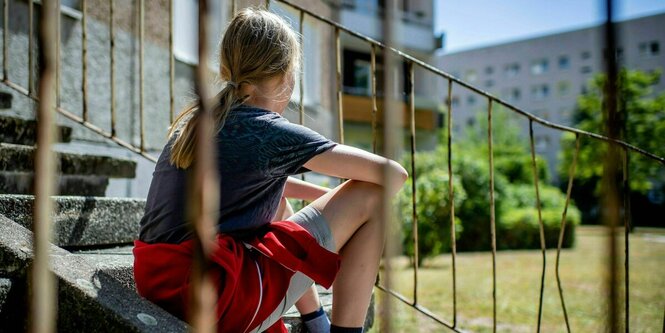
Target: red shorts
253 275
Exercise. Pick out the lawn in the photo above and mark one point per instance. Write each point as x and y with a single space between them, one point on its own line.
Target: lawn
518 285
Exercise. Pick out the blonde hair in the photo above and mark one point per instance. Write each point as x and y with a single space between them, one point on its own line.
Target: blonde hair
257 45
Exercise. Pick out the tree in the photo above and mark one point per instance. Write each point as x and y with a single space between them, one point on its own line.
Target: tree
644 115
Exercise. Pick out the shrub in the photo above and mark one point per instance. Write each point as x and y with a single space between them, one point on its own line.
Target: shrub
433 211
519 228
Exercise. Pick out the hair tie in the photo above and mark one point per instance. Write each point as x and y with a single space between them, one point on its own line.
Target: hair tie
232 84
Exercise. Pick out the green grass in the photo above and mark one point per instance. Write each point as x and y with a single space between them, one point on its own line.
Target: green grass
582 272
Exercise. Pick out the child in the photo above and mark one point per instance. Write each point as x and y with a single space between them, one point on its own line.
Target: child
266 257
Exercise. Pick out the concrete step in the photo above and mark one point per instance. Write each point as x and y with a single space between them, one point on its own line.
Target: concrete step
81 221
20 158
118 262
89 300
24 131
22 183
88 225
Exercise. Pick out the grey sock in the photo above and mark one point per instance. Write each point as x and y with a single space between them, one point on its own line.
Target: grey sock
317 322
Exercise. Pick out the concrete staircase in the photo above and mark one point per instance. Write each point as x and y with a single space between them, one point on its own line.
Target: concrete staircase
92 237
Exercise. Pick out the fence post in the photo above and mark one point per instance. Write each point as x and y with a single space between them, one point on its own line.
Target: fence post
43 296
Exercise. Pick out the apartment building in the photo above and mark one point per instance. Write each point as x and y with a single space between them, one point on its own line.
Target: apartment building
415 36
545 75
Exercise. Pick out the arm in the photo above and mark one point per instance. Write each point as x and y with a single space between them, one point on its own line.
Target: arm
352 163
298 189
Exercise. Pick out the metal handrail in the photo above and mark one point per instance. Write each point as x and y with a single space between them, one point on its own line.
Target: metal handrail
51 76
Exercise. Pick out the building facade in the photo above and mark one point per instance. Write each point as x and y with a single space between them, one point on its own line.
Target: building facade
318 70
415 36
545 75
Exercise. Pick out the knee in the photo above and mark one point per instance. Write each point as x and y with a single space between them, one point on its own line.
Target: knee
371 193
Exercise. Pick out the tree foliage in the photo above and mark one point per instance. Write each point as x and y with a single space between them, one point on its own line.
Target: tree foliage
643 112
516 217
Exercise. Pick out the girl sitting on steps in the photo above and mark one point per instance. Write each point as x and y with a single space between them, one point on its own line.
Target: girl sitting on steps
266 257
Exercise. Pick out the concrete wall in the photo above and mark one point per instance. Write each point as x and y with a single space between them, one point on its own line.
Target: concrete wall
319 95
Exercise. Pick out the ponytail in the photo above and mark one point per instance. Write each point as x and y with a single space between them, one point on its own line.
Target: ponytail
185 126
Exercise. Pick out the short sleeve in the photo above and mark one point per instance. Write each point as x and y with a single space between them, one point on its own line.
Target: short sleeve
289 146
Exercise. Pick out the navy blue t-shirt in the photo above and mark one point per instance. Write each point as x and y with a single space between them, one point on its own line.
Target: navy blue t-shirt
256 151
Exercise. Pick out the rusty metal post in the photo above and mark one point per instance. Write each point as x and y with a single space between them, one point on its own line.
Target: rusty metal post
43 295
492 210
112 69
610 199
340 92
58 62
451 198
392 117
84 58
627 225
374 104
31 48
301 84
414 211
203 200
5 40
571 177
171 67
141 72
540 224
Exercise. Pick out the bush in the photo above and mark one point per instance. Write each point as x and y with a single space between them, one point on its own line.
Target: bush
474 212
519 228
433 208
514 195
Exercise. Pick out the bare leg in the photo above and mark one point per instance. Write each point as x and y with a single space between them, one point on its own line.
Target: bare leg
309 302
350 210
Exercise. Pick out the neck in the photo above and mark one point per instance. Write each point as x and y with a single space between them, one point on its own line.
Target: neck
265 103
272 94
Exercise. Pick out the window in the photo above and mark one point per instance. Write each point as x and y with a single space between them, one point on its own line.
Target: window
584 89
470 75
564 62
455 101
649 48
185 30
361 77
618 53
471 100
511 70
489 83
586 70
540 92
511 94
489 70
585 55
563 88
539 66
515 94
